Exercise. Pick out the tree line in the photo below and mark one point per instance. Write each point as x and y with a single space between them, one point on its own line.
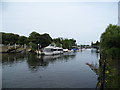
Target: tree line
34 39
97 43
66 43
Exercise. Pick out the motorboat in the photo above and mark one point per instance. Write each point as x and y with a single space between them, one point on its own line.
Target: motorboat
52 50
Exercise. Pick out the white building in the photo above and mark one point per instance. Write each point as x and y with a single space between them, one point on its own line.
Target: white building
119 13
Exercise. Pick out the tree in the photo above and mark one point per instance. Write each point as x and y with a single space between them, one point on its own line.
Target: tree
9 38
44 39
111 37
92 43
34 37
97 43
23 40
65 43
110 42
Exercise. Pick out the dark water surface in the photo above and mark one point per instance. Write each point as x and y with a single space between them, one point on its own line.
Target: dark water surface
59 71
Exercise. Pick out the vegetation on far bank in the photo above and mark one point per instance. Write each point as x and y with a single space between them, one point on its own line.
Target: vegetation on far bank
97 43
34 39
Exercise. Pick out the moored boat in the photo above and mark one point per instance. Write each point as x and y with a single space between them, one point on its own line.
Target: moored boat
52 50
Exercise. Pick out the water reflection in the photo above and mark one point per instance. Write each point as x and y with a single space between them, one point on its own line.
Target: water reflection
94 52
34 61
39 61
67 70
11 59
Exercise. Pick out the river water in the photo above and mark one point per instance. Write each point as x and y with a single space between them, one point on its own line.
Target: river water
60 71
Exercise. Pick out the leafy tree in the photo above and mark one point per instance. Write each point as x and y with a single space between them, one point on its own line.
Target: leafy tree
9 38
109 59
110 41
44 39
65 43
34 37
111 37
23 40
95 44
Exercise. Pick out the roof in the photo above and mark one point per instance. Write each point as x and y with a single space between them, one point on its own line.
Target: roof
53 47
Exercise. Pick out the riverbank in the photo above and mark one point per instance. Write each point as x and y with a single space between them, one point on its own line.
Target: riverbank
19 49
12 49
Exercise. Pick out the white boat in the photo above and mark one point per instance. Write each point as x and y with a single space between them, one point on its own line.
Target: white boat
65 50
52 50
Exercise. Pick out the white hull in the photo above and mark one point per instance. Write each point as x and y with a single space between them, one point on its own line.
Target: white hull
53 53
51 50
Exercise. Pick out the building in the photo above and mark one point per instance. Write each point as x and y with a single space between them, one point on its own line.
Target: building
119 13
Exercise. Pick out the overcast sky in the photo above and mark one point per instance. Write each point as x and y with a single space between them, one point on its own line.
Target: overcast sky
83 21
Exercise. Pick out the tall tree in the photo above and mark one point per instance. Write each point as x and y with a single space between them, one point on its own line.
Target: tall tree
9 38
110 41
111 37
23 40
43 40
65 43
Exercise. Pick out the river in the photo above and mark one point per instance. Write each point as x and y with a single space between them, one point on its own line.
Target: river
60 71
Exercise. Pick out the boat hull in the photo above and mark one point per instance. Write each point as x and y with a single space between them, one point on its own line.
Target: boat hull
53 53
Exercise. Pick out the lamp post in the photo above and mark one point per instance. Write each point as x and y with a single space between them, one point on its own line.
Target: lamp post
38 48
15 45
9 46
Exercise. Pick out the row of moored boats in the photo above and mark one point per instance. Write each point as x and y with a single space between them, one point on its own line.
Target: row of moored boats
52 50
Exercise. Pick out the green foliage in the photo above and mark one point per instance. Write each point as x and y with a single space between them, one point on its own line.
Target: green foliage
33 45
110 41
35 38
109 73
111 37
45 40
23 40
65 43
9 38
110 56
109 63
97 43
